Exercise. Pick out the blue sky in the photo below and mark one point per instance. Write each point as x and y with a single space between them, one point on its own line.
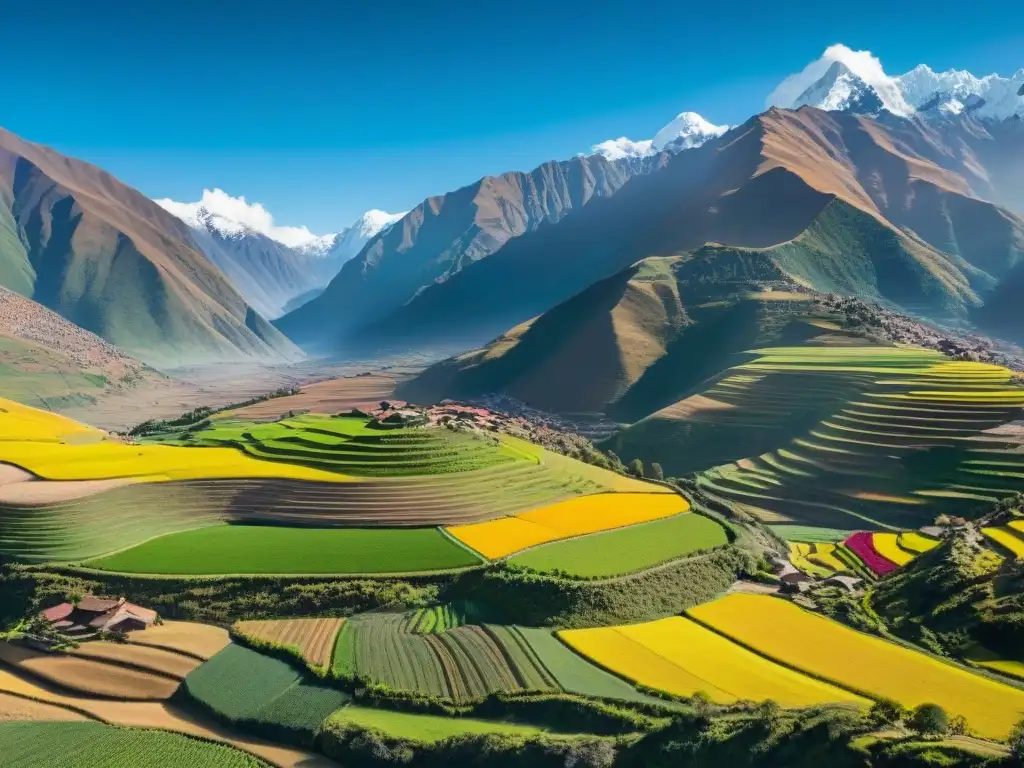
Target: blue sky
321 110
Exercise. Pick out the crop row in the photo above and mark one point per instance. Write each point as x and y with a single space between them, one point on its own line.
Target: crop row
93 745
862 553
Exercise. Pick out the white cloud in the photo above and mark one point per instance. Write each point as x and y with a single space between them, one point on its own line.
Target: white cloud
862 63
616 149
233 215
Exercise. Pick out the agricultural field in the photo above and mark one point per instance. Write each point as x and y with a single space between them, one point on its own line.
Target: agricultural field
157 661
243 687
103 496
94 745
198 641
575 517
681 657
861 554
626 550
461 664
898 435
90 676
253 549
467 661
425 728
1010 538
312 639
827 650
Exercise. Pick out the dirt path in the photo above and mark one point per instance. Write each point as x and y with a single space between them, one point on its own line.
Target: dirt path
157 715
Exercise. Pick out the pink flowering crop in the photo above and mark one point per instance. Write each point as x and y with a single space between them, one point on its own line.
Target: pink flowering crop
860 544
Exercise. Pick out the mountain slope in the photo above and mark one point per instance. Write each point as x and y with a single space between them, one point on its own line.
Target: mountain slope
442 236
113 262
272 266
639 340
758 186
50 363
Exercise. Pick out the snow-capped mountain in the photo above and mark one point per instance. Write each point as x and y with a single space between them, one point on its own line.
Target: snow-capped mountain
855 81
958 91
350 241
685 131
271 265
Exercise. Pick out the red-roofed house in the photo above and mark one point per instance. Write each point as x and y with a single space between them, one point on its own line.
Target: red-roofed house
97 614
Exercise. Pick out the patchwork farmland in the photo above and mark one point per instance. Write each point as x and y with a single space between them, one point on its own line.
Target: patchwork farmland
851 437
860 554
308 494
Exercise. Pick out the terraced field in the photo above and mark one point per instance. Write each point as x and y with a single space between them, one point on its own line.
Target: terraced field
1010 538
463 479
827 650
91 675
862 554
425 728
888 437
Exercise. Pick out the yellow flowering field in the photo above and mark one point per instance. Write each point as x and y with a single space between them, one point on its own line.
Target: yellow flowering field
680 656
108 459
824 554
831 651
887 546
20 422
575 517
57 448
912 541
1013 541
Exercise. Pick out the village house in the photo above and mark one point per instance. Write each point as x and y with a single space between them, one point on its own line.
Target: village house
92 615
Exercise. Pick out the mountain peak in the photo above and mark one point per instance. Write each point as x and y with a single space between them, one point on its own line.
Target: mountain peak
842 79
686 130
217 212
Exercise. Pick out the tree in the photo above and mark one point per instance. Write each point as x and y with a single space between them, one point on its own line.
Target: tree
636 468
75 597
929 720
958 725
657 472
887 712
1017 742
768 711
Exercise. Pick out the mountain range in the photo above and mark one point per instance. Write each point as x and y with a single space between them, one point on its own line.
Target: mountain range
905 190
76 240
275 268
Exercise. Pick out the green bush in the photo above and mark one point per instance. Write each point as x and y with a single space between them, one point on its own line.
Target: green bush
929 720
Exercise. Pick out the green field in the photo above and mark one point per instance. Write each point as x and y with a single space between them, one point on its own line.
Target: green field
350 445
573 673
93 745
244 687
468 661
252 549
626 550
464 663
426 728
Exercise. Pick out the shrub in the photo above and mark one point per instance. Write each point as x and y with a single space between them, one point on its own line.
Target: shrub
1017 742
929 720
887 712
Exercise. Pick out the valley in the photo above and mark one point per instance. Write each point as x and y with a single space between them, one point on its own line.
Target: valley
705 449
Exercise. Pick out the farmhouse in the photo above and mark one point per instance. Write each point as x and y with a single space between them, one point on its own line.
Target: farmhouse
97 614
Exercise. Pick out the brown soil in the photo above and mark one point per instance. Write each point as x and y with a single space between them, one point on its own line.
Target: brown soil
201 641
157 660
15 708
10 475
313 637
31 492
334 396
88 677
